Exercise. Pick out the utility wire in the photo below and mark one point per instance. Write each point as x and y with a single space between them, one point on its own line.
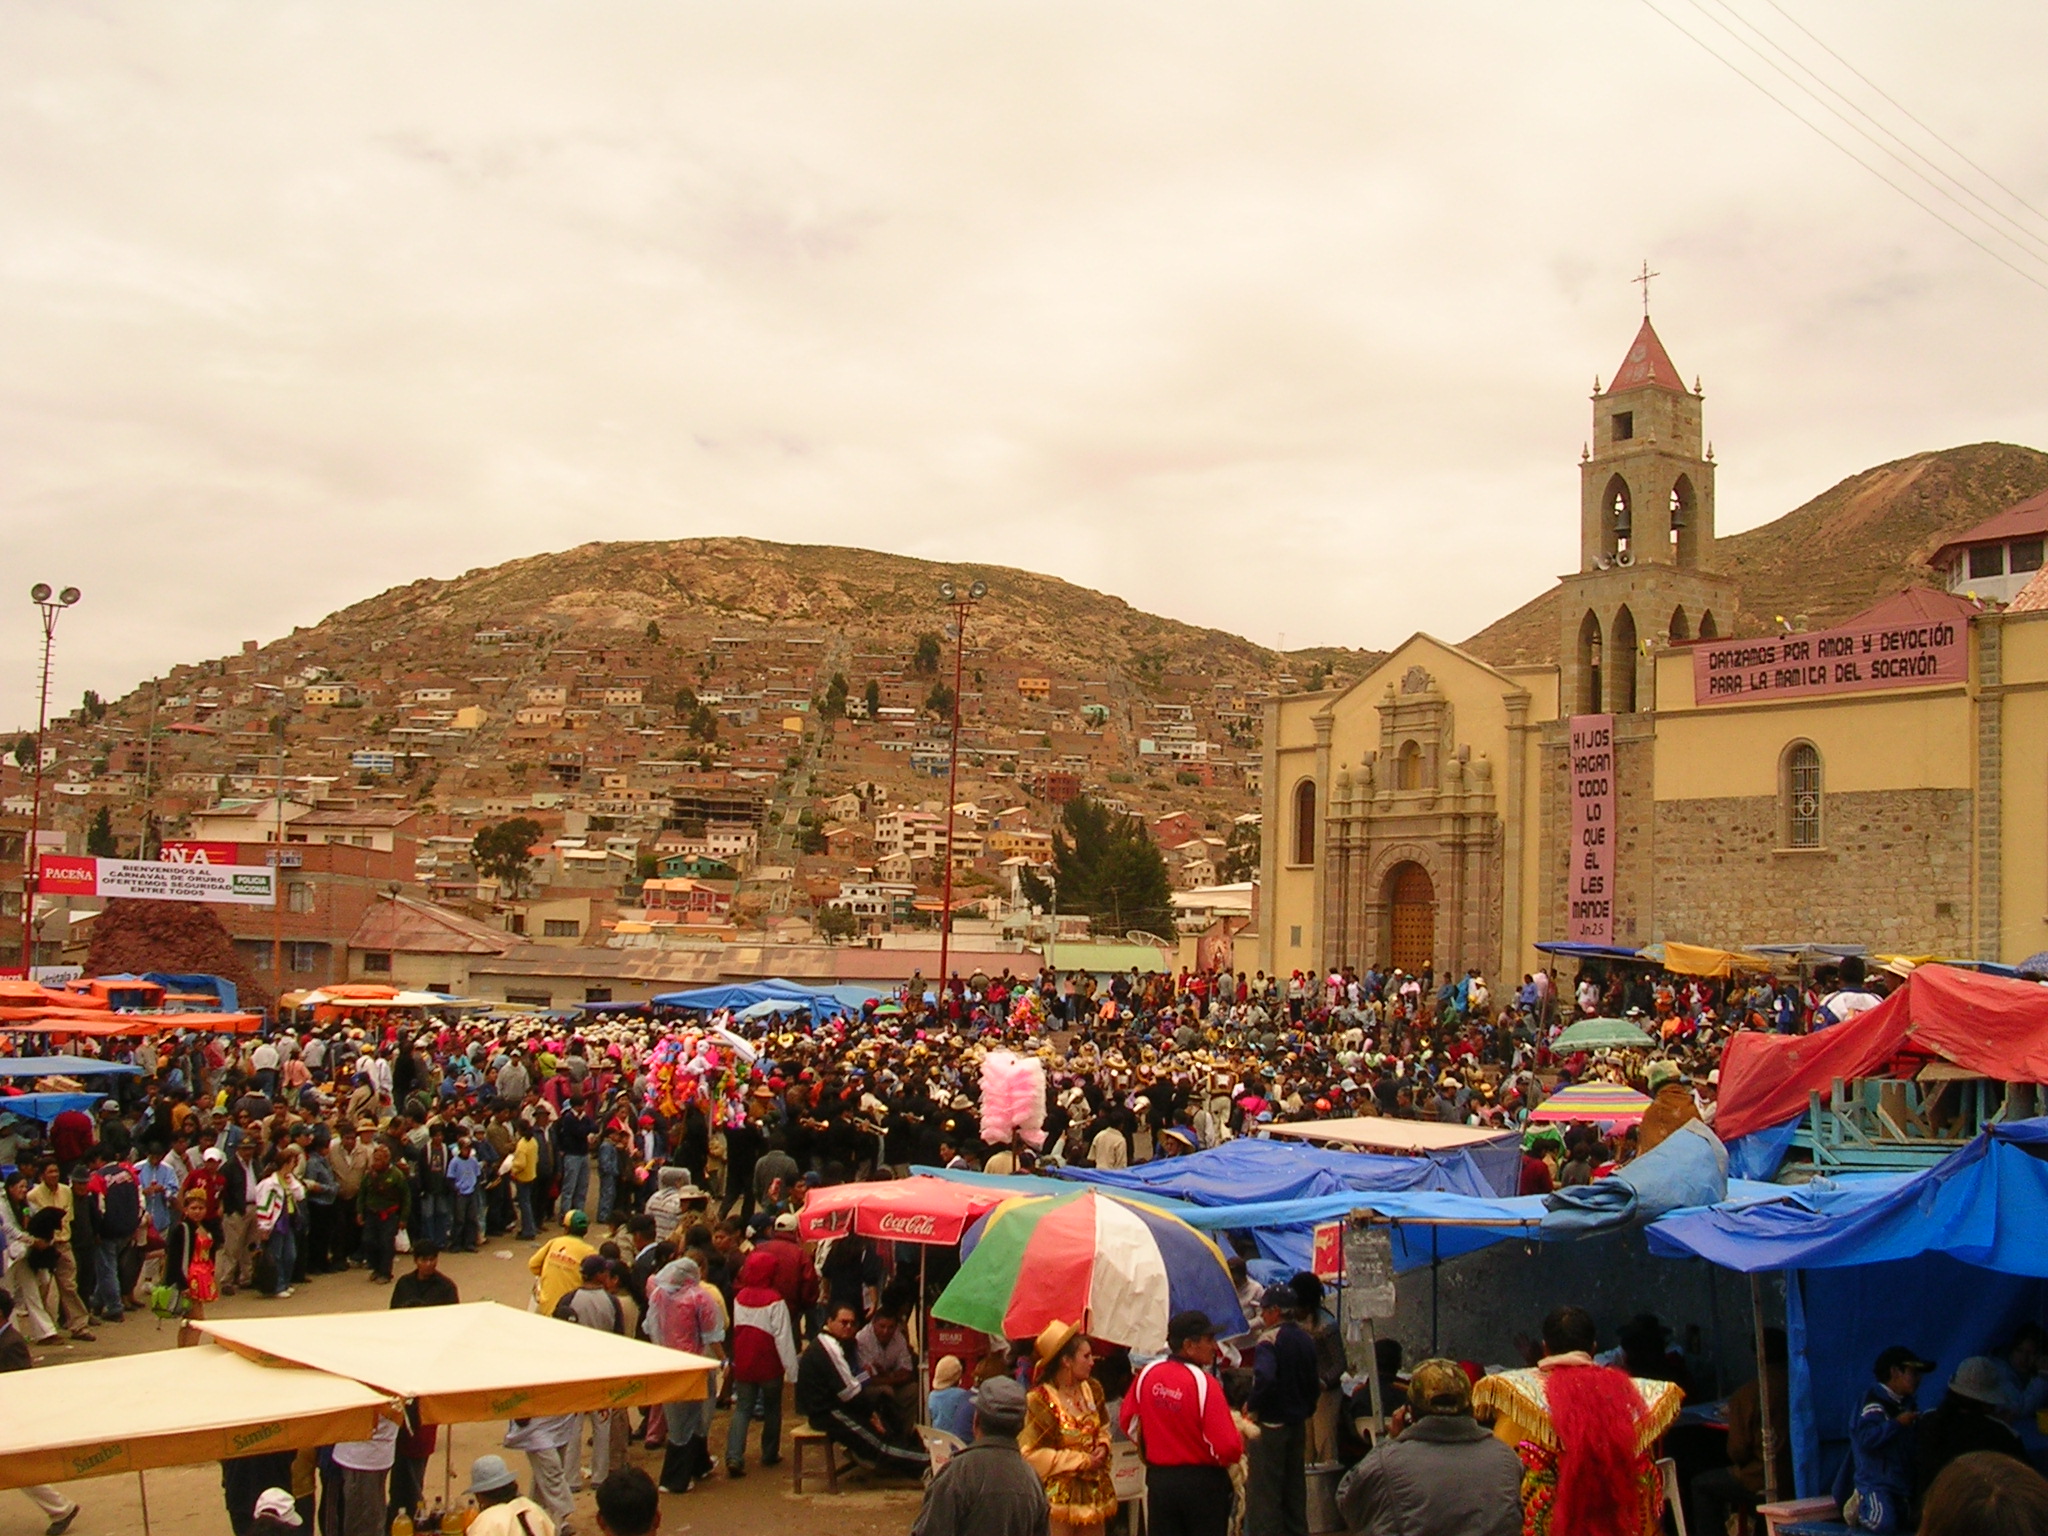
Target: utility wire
1933 213
1907 111
2021 235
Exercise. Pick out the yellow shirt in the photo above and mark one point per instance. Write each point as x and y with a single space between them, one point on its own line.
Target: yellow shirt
558 1263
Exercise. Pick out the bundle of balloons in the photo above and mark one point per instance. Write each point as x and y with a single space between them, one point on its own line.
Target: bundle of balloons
709 1068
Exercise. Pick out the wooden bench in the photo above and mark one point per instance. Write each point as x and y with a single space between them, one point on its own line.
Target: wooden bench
805 1440
1801 1517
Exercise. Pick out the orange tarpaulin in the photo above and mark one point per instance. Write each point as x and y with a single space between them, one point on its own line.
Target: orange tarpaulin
30 994
53 1021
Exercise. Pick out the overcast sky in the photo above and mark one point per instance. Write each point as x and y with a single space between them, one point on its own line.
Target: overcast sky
1279 318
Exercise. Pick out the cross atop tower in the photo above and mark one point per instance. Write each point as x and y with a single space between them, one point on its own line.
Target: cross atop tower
1644 277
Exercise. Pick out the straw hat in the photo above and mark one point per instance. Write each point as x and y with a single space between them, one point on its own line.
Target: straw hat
1055 1337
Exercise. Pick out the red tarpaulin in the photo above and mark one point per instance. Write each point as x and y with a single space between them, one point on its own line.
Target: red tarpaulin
1986 1024
919 1209
57 1021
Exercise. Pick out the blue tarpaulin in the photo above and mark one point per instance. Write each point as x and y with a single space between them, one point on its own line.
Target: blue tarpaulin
1572 950
47 1106
61 1066
219 986
738 995
1448 1224
1946 1261
1031 1184
1259 1171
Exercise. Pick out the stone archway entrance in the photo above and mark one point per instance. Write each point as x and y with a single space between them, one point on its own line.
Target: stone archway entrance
1411 910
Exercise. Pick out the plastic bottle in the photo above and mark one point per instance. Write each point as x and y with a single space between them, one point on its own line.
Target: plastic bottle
401 1524
453 1522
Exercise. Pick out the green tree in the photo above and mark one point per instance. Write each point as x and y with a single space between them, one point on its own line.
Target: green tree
873 695
25 749
812 841
94 709
1241 854
653 630
1107 867
686 701
926 658
837 923
99 837
704 723
940 701
835 697
503 851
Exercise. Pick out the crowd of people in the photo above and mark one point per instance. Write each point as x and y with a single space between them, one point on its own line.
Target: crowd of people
658 1166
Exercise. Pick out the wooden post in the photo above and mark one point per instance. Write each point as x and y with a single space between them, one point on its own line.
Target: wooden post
1763 1393
142 1486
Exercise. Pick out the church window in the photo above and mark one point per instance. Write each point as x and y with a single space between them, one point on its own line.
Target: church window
1616 509
2026 556
1678 630
1684 531
1987 560
1621 692
1589 664
1408 767
1802 795
1624 426
1709 630
1305 822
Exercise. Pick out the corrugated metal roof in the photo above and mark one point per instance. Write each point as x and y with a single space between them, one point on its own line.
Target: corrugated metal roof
2018 521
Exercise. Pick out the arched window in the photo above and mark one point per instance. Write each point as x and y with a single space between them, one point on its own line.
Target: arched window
1305 822
1408 766
1617 516
1709 630
1589 664
1621 693
1679 630
1802 795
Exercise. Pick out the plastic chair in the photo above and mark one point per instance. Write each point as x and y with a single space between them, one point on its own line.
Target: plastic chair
1672 1502
939 1444
1127 1475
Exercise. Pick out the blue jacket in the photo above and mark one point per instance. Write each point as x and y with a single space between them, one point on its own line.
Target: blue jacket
1885 1450
1285 1386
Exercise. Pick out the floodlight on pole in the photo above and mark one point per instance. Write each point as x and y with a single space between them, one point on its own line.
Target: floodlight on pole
960 603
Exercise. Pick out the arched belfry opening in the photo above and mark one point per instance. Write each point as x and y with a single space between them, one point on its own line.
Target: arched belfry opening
1589 664
1621 691
1685 509
1679 630
1617 517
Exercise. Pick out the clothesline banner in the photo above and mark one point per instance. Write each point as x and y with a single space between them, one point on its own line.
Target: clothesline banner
60 874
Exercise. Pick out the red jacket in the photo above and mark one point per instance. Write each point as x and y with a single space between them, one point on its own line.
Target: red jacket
1182 1418
794 1276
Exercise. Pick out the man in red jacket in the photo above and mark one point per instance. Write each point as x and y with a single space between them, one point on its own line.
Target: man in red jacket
763 1354
1176 1413
794 1276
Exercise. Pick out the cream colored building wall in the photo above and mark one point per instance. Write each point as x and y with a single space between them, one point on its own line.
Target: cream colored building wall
2023 840
1921 738
1288 889
1518 948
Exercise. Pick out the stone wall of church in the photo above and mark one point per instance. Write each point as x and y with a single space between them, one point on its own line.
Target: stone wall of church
1895 874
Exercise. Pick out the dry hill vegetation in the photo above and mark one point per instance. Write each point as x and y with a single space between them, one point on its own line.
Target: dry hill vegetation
1853 544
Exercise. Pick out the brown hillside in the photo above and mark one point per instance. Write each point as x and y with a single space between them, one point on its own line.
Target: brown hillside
1851 545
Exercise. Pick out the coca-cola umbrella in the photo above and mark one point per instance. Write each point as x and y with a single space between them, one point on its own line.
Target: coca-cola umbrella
919 1209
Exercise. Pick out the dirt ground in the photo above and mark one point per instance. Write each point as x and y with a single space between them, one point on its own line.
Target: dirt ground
185 1501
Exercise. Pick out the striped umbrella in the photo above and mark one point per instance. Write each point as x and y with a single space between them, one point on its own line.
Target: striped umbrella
1120 1267
1603 1103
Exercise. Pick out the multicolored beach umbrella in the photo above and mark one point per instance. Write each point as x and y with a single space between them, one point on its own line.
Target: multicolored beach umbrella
1599 1103
1121 1267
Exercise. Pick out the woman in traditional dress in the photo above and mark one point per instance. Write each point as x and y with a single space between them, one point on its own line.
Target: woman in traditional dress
1066 1432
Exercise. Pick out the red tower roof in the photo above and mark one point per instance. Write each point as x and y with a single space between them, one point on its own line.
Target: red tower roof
1647 366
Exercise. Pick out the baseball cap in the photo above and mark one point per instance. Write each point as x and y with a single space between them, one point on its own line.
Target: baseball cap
1977 1379
1898 1355
786 1222
487 1474
1440 1387
1280 1297
576 1221
1188 1325
210 1155
278 1505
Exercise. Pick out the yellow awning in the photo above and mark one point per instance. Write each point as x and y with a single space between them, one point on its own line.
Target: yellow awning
1698 960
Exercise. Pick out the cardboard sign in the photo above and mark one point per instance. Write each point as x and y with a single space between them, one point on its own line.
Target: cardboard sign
1327 1258
1368 1271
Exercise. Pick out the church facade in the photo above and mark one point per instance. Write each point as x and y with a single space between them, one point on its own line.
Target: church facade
1669 773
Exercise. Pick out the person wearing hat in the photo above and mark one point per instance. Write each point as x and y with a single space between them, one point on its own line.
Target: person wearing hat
275 1514
951 1406
1285 1392
557 1264
987 1488
501 1509
1176 1413
1884 1445
1441 1476
1671 1105
1966 1420
1066 1430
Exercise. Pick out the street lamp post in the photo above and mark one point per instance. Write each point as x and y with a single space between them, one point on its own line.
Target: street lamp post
40 595
959 602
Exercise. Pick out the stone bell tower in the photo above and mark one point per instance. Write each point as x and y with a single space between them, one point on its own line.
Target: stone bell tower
1646 537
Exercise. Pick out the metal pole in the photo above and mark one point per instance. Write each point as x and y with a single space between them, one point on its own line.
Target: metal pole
142 1486
1434 1268
30 855
959 607
1768 1429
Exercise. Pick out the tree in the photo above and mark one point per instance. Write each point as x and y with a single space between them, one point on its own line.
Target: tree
835 697
926 658
25 749
1108 868
94 709
940 701
812 841
99 837
704 723
838 923
686 702
503 851
1241 854
653 630
873 695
